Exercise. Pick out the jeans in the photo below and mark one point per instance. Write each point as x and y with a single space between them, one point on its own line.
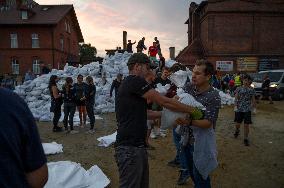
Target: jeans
57 114
133 167
90 112
199 182
186 158
69 110
176 138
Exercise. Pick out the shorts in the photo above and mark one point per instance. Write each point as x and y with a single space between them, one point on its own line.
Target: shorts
243 116
80 102
149 124
265 93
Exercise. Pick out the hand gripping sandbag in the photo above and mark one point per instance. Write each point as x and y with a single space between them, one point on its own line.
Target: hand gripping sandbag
168 117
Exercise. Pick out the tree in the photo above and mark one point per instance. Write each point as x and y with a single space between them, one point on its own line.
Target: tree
87 53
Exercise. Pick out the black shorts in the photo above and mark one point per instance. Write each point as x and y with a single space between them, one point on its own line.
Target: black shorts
80 102
265 93
243 116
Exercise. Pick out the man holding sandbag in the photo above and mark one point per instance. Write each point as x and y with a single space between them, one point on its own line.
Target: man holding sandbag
204 153
131 112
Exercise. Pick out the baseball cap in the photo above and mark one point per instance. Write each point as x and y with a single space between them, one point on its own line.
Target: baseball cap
138 58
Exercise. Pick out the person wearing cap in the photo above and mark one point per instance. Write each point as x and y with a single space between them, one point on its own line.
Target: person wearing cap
129 46
131 112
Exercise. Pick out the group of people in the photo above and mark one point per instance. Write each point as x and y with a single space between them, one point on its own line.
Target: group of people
80 95
153 51
195 139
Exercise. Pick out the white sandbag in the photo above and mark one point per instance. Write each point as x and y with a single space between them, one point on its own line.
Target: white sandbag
168 118
52 148
162 89
67 174
179 78
106 141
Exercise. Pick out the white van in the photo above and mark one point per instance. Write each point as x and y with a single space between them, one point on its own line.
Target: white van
276 83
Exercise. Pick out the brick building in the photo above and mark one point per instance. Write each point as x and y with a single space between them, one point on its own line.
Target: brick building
33 34
236 35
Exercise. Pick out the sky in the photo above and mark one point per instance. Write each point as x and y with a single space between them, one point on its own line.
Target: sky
102 22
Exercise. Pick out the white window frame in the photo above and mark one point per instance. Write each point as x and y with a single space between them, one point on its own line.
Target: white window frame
35 40
62 43
36 66
69 28
24 14
15 67
66 26
14 40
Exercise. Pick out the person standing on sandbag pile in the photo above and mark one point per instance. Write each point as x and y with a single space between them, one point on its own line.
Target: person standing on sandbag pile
200 147
22 159
129 46
56 102
131 112
90 102
69 104
141 46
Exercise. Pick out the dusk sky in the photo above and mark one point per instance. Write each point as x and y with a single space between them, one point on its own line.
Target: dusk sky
103 21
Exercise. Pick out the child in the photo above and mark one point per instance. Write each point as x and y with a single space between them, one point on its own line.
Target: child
69 104
245 100
90 101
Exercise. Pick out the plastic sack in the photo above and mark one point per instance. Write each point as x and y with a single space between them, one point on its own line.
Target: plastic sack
67 174
52 148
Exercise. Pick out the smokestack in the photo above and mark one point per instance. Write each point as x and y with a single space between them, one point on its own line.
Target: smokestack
172 53
124 40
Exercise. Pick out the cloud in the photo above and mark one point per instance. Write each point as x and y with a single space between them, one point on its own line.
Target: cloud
103 21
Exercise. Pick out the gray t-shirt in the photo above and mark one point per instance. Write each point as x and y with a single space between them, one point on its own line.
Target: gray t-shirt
205 152
243 101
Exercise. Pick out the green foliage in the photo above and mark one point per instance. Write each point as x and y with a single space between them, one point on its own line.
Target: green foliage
87 53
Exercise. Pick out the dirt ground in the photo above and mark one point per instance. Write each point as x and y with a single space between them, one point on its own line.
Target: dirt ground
259 166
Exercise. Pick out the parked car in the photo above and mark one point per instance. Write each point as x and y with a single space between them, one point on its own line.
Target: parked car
276 83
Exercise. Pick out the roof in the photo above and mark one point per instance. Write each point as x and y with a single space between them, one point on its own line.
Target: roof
41 15
52 15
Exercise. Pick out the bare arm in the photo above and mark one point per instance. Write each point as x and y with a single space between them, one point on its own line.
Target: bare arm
151 115
38 177
204 123
166 102
55 92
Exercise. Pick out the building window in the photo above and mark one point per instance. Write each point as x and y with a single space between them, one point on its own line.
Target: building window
66 26
62 44
24 15
15 67
69 28
35 40
14 40
36 66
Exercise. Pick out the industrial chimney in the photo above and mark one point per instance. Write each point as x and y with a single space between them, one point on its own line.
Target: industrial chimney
172 53
124 40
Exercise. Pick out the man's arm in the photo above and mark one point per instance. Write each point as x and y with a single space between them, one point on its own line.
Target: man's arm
169 103
38 177
151 115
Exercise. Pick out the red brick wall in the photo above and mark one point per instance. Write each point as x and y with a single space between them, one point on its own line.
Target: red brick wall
25 53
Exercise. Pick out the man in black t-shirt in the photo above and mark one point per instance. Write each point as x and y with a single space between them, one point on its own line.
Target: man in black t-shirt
22 159
132 114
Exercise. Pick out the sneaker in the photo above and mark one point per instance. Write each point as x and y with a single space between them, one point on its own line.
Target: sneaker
74 132
91 131
174 163
163 134
153 135
237 133
183 176
57 129
246 142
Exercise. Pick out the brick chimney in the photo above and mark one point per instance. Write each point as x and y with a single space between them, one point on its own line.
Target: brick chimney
124 40
172 53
